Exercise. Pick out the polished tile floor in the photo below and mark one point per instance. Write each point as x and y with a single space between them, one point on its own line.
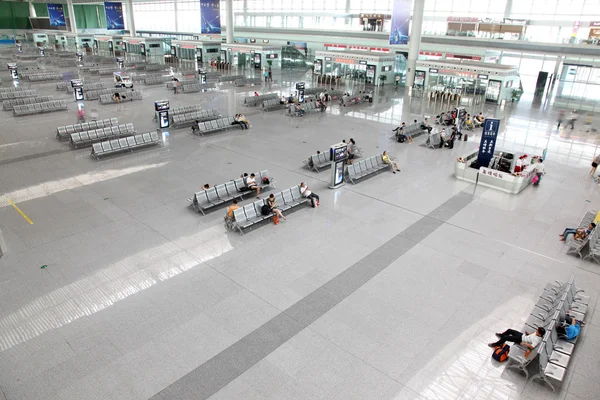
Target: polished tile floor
389 290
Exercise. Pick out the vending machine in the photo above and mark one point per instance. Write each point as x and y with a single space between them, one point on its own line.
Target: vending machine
161 109
12 68
338 154
77 86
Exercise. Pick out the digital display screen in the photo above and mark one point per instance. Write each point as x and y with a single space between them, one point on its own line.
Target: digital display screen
78 91
339 153
161 105
339 173
272 56
76 83
163 118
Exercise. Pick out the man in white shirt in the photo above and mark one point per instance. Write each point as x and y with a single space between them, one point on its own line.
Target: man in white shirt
306 192
528 339
252 185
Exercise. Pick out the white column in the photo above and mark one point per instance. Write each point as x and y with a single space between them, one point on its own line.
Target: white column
508 8
229 21
176 4
414 42
559 61
72 16
32 12
132 31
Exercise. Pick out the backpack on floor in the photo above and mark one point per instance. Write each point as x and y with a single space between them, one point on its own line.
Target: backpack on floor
500 353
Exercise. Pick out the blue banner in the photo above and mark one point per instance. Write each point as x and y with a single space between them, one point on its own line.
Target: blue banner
400 22
488 141
210 13
56 15
114 15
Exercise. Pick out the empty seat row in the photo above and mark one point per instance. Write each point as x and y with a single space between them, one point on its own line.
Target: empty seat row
250 216
95 94
188 119
50 76
231 78
86 138
93 86
153 67
220 124
49 106
185 110
364 168
13 89
106 71
220 195
125 96
8 105
62 86
255 100
17 95
65 132
129 143
248 81
319 160
156 80
272 104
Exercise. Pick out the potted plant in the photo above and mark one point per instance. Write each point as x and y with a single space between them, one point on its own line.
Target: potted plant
382 78
269 62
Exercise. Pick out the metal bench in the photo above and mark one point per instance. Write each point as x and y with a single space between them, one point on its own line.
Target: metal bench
222 194
184 110
49 106
247 82
220 124
231 78
365 168
273 104
126 144
318 161
187 119
8 105
64 132
17 94
94 94
125 96
87 138
252 101
250 216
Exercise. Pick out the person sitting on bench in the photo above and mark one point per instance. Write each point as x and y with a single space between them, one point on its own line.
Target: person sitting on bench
252 185
307 193
195 127
231 209
387 160
425 125
578 233
570 328
528 339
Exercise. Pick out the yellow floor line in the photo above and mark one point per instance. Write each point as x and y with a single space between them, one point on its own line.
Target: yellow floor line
20 212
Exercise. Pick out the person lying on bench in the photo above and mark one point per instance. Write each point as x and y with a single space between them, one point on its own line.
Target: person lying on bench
570 328
578 233
528 339
252 185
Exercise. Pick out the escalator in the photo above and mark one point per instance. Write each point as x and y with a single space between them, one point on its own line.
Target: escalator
294 59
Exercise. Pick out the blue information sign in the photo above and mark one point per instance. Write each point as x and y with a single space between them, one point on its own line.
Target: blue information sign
488 141
114 15
56 15
400 21
210 12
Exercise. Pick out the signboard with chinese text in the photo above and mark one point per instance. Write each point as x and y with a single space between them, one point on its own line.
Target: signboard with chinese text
400 22
56 15
114 15
210 12
491 126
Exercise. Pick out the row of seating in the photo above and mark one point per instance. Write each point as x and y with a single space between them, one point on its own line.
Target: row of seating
247 82
129 143
188 119
582 248
274 104
255 100
553 353
48 106
8 105
106 71
318 90
308 108
86 138
155 79
95 94
44 76
231 78
364 168
65 132
220 195
13 88
153 67
319 160
185 109
220 124
18 95
197 87
415 129
125 96
250 216
92 86
181 82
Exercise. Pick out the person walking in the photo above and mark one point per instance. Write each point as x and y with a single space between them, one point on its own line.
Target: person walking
595 163
572 118
540 169
270 74
561 117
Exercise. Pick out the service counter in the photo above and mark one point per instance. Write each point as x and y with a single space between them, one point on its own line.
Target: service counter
492 178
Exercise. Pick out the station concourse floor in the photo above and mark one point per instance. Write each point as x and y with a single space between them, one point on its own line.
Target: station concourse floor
389 290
